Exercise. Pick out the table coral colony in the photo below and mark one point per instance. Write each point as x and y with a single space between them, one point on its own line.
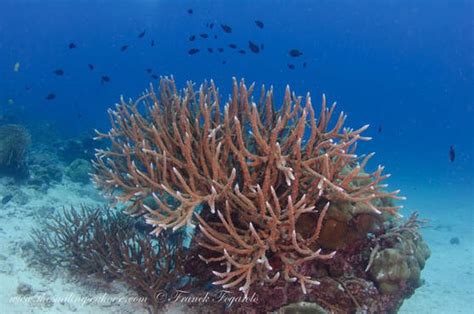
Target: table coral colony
277 195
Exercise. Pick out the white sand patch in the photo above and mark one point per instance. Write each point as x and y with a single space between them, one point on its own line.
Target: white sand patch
449 272
52 292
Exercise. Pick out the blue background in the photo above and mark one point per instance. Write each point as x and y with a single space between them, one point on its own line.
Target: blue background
406 66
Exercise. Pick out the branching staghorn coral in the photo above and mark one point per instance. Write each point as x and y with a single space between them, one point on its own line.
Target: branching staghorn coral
96 241
257 172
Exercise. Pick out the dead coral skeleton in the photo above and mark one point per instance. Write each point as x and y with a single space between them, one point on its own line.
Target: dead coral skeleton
258 170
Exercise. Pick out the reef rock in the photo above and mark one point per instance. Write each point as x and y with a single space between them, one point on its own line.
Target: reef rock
14 143
78 171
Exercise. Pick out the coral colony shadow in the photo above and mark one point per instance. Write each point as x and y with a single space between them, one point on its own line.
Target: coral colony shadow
273 206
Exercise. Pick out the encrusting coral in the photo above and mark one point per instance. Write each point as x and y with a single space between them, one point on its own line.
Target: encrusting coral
259 180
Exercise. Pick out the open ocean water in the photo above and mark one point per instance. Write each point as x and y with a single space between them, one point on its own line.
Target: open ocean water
404 67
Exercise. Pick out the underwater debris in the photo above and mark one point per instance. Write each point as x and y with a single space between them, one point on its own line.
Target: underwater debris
265 193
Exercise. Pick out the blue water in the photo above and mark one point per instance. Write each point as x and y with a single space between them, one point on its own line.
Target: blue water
406 67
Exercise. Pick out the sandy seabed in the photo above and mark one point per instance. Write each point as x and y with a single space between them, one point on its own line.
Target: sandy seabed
448 275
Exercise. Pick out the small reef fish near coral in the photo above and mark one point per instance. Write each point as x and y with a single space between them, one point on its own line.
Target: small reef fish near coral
141 173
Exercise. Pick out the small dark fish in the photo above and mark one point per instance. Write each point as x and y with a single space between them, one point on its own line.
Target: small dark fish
295 53
193 51
210 50
142 34
155 76
241 51
91 67
304 64
253 47
211 26
123 48
152 43
452 153
226 28
6 199
27 87
291 66
50 96
58 72
190 11
224 62
204 35
148 71
104 79
261 46
233 46
192 37
220 49
72 46
259 24
215 37
379 129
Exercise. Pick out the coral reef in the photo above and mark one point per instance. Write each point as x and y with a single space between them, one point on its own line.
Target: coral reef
77 148
280 197
44 170
78 171
94 241
14 143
